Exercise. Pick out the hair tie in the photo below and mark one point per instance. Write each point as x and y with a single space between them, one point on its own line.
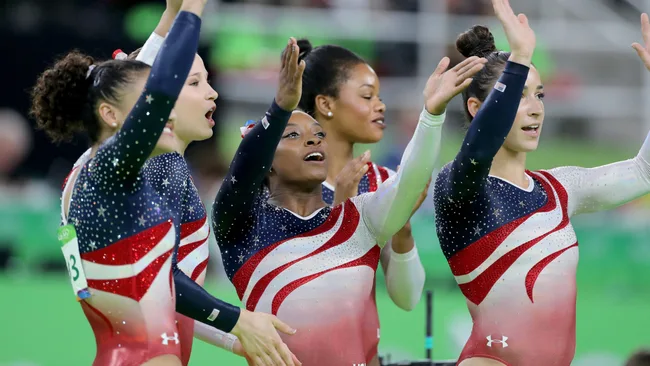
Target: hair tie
118 54
248 126
90 70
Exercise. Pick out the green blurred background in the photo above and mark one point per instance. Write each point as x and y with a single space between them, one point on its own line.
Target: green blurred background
595 115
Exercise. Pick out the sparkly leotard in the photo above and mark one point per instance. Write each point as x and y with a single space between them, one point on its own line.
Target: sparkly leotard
513 251
127 232
193 252
316 273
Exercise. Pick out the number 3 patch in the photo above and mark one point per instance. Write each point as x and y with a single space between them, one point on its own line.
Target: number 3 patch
70 248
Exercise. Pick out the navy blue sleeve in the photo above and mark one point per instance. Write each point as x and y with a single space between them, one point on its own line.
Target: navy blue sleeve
232 208
122 157
195 302
487 132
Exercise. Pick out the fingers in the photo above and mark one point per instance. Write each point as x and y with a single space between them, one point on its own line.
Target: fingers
293 57
469 73
442 66
464 85
276 359
464 64
267 360
645 29
286 54
466 70
643 53
282 326
295 359
523 19
287 356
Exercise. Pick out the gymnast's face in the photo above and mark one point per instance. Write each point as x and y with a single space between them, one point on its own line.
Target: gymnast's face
300 156
527 128
195 106
358 112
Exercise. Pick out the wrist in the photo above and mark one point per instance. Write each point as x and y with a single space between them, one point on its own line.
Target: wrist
520 58
194 6
405 232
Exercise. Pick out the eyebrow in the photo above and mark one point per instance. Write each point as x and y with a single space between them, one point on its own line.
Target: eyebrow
539 87
369 85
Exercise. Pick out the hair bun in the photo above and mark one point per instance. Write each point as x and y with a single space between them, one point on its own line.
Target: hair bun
477 41
305 48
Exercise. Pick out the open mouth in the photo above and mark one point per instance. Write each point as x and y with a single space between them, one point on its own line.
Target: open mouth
531 129
169 129
208 114
380 122
314 156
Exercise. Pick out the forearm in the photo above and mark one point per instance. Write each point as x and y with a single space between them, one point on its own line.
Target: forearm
404 275
195 302
391 206
488 130
214 336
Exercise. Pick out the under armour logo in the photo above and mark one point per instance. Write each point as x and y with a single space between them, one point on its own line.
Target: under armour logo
502 341
166 339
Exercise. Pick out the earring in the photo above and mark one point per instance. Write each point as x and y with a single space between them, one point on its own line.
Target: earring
114 124
329 114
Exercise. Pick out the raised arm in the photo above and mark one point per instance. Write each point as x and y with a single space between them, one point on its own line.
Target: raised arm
122 156
149 51
612 185
255 154
495 117
488 130
608 186
386 210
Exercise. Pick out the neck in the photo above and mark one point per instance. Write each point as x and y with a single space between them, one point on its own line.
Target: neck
511 166
300 201
339 153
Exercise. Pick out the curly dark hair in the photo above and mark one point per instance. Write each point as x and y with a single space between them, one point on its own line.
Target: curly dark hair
66 95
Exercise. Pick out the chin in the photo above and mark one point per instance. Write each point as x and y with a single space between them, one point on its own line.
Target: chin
371 138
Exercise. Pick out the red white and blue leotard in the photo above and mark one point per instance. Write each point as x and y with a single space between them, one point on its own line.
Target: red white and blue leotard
127 231
316 273
513 251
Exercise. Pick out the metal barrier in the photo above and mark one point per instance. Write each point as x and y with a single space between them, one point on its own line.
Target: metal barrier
428 343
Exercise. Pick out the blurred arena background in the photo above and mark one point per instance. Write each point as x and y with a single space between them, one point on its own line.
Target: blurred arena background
597 107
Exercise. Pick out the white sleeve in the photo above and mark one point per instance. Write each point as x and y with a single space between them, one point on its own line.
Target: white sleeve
405 276
387 209
150 49
214 336
608 186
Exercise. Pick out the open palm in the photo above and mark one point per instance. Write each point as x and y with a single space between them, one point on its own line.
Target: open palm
644 50
444 84
521 37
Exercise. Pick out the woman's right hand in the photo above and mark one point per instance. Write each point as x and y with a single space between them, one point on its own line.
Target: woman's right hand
262 345
194 6
347 182
290 88
521 37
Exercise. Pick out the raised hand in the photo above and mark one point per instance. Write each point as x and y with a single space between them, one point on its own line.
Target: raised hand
290 88
258 335
644 51
445 84
347 182
521 37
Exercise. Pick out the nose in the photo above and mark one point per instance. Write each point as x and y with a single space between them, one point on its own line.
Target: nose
381 107
172 116
212 94
536 109
313 141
